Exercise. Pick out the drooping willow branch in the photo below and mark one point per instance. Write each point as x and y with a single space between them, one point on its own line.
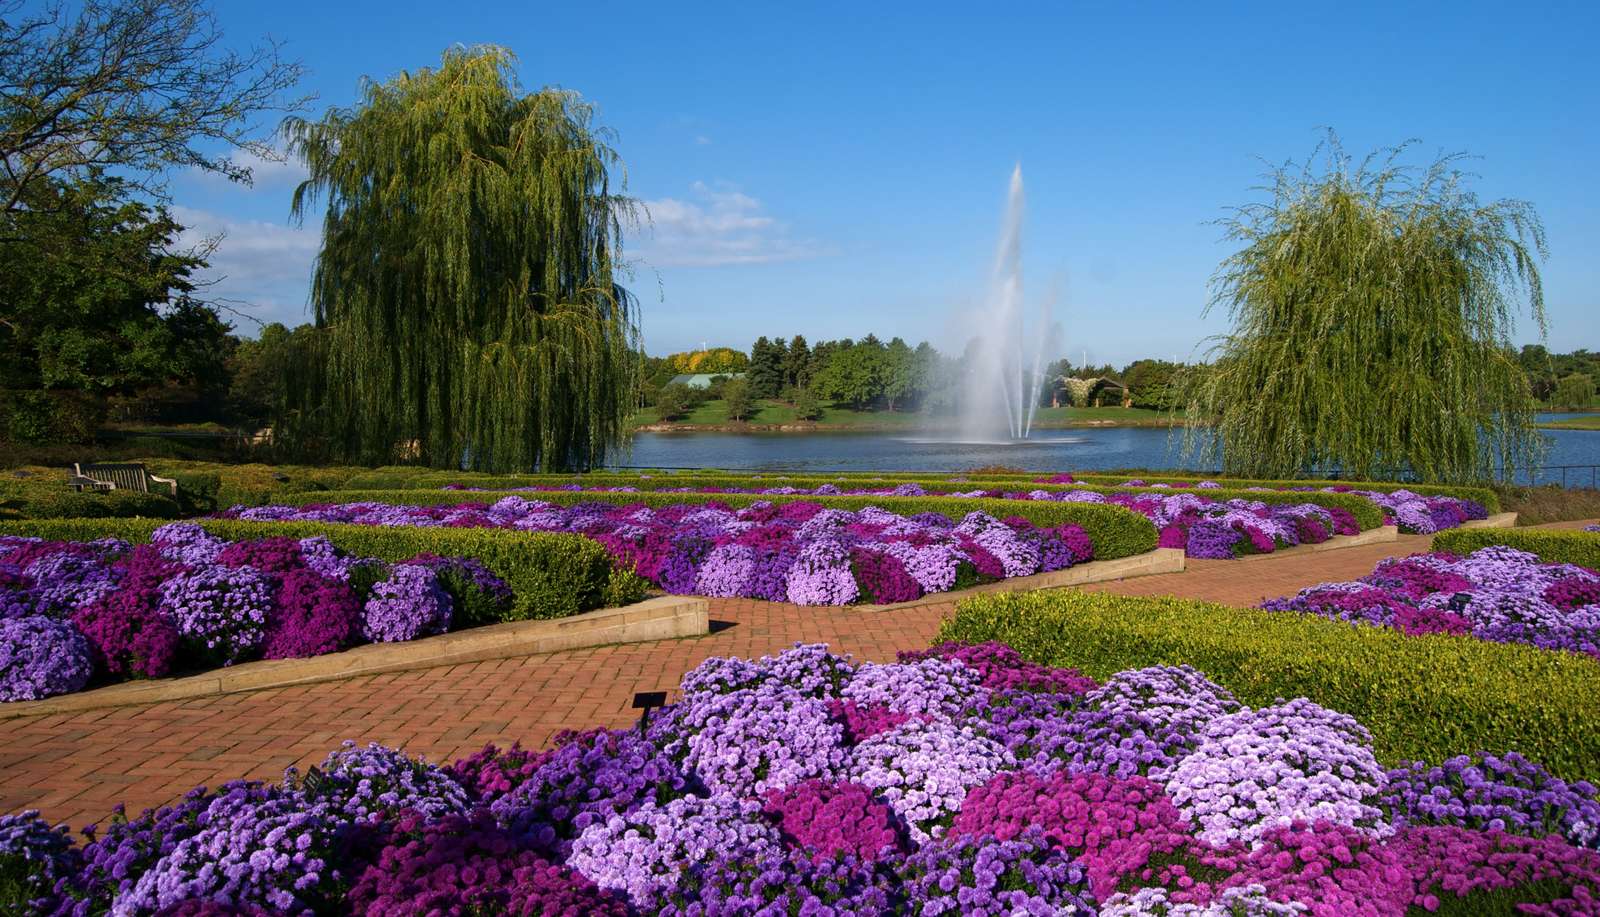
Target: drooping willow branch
1373 307
467 278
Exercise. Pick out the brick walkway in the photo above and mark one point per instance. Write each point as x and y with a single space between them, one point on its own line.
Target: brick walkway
75 767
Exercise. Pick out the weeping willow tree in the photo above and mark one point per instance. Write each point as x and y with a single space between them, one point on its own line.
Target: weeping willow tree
467 280
1373 306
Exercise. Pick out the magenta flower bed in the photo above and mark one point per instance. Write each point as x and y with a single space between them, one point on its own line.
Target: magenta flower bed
966 781
74 614
798 552
1496 593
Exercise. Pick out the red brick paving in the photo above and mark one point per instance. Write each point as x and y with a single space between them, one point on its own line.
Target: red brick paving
75 767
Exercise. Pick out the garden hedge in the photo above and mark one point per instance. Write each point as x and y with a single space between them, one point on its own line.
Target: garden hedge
1484 495
1553 547
54 500
1427 698
551 574
1114 531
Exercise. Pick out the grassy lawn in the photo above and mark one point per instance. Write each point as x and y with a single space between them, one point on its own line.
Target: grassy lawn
1584 422
842 416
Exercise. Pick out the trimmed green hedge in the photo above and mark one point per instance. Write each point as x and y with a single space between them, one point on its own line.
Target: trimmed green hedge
1559 547
552 575
1114 531
55 500
1427 698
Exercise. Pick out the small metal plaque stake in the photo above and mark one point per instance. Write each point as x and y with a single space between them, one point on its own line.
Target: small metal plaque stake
648 701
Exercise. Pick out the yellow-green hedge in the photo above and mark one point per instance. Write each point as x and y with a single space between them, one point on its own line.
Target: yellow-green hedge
1428 698
551 575
1581 548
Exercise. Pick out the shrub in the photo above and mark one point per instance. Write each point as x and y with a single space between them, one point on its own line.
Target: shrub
551 575
55 501
1428 697
1581 548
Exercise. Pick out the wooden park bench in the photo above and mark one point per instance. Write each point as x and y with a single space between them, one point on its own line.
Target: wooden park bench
118 476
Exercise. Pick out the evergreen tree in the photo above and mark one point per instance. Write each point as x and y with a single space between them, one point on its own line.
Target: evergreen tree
797 363
467 277
766 369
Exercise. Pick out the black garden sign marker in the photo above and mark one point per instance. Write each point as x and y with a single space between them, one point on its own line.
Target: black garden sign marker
648 701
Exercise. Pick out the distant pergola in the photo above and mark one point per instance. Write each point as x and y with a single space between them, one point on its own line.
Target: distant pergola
1084 392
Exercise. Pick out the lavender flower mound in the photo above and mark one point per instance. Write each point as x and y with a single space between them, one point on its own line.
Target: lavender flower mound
924 769
821 575
1256 770
187 544
584 781
65 581
273 852
1141 721
642 853
374 783
407 605
34 857
774 882
41 657
938 687
1496 593
806 667
757 739
220 611
1493 793
322 558
990 878
115 857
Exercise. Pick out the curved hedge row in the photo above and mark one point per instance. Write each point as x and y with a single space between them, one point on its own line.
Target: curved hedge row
552 575
1367 514
1114 531
1428 697
1559 547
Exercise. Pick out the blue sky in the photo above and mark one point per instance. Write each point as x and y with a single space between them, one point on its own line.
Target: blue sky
839 169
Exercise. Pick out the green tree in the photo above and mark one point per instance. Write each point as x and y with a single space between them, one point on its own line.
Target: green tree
766 368
468 281
95 296
1153 384
736 399
849 373
1373 307
797 363
806 405
898 373
1575 391
136 86
674 401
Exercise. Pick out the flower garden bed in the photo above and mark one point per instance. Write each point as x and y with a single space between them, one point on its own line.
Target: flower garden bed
1552 546
1426 697
784 549
1202 525
76 613
960 781
1496 593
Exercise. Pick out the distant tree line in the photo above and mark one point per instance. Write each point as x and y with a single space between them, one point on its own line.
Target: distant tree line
871 374
1561 380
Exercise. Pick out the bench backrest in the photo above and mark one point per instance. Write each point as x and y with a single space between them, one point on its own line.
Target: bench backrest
127 475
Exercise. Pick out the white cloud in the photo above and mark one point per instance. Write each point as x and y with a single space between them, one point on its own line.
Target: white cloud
262 269
715 228
702 140
264 173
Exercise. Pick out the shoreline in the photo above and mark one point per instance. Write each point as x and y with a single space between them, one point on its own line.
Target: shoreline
824 427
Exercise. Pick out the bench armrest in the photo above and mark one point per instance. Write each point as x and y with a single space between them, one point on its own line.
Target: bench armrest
171 483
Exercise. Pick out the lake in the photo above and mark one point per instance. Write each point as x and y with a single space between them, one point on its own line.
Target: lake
1082 449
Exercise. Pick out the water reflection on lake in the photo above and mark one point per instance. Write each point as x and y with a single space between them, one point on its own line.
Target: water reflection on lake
1080 449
